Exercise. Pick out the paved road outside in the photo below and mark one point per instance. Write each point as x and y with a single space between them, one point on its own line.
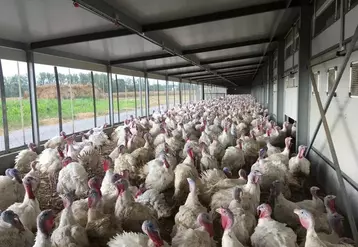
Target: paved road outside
20 137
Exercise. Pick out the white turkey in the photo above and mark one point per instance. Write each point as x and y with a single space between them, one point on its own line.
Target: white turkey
25 157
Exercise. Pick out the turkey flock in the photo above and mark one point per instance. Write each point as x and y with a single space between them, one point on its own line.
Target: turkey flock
218 172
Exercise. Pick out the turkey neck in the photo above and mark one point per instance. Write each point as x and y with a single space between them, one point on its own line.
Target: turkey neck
67 217
93 213
146 145
192 198
124 199
42 240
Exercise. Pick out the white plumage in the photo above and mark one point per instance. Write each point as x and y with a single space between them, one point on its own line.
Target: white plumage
73 177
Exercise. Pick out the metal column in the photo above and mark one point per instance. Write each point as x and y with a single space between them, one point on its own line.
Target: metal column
202 91
33 97
270 78
166 91
58 91
110 92
141 96
280 80
158 95
135 97
146 94
118 109
4 111
304 55
343 190
190 93
94 100
180 95
350 48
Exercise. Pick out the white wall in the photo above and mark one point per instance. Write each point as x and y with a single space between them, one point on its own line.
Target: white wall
342 117
290 99
330 36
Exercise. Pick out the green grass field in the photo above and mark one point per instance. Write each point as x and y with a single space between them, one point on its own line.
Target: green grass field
82 109
47 109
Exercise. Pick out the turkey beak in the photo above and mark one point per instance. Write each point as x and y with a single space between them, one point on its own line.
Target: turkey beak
296 211
18 224
258 210
218 210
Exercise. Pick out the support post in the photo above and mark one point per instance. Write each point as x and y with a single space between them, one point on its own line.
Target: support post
270 81
141 96
180 91
343 190
280 80
118 109
158 95
110 93
304 55
4 111
33 97
166 91
190 93
175 100
135 97
202 91
59 104
146 94
350 48
94 100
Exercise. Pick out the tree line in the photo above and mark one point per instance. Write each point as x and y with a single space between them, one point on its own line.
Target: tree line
100 81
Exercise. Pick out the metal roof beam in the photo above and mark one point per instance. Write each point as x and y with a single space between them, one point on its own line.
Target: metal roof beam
229 59
222 73
80 38
226 46
235 66
114 15
226 76
236 72
141 58
193 51
213 68
177 66
198 73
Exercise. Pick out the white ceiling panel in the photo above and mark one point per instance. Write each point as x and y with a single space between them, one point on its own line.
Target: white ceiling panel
36 20
224 31
114 48
163 10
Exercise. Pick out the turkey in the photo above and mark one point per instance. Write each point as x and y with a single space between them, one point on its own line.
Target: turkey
11 188
153 199
45 225
72 177
234 157
69 232
13 233
57 141
271 233
188 213
184 170
199 237
227 221
29 209
207 161
151 239
131 213
25 157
